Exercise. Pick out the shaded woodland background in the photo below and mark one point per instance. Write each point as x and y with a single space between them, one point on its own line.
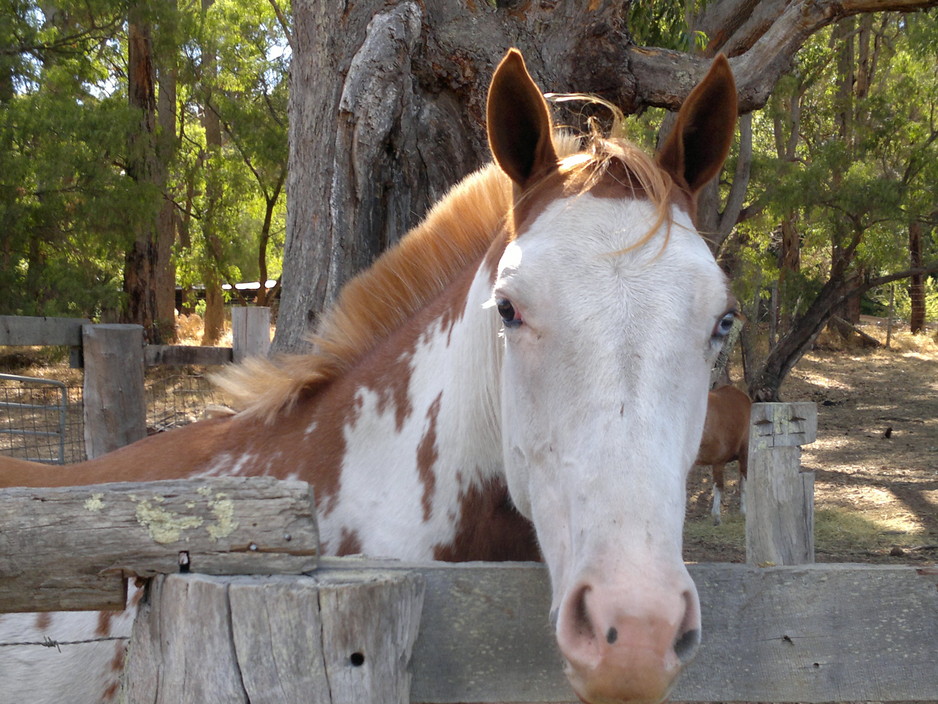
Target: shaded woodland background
145 146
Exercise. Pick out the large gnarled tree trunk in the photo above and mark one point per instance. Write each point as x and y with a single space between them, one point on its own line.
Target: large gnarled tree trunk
387 104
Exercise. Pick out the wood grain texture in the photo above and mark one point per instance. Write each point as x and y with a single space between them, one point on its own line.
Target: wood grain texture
779 494
338 637
114 400
36 330
73 547
182 355
815 633
250 332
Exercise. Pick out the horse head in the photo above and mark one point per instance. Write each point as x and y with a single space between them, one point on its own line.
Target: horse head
613 310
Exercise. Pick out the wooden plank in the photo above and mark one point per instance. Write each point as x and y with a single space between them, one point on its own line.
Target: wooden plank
486 625
815 633
336 638
113 391
783 424
184 355
779 509
179 627
71 548
250 332
40 331
369 625
779 495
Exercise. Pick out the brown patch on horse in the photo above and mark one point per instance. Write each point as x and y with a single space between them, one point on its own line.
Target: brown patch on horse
489 528
117 667
393 385
427 454
110 693
43 621
104 623
322 450
609 168
350 544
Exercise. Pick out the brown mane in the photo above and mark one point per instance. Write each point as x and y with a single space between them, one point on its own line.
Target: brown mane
455 234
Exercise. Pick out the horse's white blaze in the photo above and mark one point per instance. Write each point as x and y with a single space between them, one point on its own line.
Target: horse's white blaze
604 390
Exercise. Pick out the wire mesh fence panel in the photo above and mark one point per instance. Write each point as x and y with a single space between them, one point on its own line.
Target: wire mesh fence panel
43 419
40 420
177 398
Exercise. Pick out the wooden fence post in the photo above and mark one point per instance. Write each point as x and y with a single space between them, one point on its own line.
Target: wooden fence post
779 495
250 332
115 406
334 639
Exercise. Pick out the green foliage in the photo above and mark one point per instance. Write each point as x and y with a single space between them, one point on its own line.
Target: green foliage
666 24
902 303
68 206
64 201
846 166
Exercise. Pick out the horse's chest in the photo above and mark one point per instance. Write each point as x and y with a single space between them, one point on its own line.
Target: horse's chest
400 482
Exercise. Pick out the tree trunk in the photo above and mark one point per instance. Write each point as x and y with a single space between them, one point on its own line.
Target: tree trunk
270 202
165 280
214 299
214 321
916 281
765 382
147 257
387 111
387 105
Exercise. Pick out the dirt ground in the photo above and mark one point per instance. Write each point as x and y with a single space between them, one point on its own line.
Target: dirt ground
875 459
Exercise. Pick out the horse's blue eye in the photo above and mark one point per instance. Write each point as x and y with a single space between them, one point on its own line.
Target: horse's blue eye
507 311
725 325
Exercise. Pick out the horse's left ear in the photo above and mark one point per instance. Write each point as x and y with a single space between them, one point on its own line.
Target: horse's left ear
518 122
697 146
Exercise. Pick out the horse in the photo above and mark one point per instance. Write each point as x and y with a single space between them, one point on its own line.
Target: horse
726 438
537 349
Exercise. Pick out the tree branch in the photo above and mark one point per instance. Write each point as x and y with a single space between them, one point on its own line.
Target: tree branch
284 22
761 49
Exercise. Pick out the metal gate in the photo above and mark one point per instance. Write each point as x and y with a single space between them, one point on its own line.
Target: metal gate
34 411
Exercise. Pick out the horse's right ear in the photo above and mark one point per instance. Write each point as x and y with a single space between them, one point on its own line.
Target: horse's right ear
697 146
518 121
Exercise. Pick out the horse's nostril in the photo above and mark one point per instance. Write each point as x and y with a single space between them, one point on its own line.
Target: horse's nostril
581 616
686 644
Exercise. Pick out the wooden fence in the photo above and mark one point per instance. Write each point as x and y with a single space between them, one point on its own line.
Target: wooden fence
114 358
291 627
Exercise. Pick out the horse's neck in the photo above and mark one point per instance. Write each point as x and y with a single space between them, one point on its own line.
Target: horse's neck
404 451
423 436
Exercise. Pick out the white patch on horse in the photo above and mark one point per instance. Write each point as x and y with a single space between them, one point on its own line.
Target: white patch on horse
381 495
33 672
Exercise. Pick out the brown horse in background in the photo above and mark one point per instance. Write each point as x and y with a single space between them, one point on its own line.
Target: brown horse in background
726 438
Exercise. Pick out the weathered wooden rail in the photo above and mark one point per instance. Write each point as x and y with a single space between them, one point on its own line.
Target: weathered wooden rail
298 629
74 547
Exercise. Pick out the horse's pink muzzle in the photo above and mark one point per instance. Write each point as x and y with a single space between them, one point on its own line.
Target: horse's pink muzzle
619 648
